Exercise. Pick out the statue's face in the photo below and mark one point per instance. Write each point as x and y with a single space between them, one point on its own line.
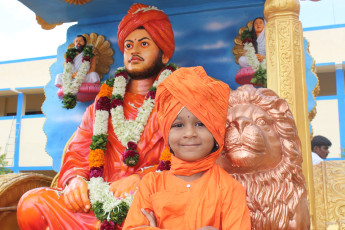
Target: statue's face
142 57
251 142
259 25
79 42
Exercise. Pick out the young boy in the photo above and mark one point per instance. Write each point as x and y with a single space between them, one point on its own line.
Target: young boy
196 193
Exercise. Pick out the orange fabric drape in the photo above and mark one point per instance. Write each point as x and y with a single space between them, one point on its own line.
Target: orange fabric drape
206 98
41 208
155 22
215 199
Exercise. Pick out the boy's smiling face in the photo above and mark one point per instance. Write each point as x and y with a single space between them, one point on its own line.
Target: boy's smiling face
189 138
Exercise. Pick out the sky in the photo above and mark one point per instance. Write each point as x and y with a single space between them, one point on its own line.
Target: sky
22 37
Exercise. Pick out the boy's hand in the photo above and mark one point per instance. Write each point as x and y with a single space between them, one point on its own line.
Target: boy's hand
150 217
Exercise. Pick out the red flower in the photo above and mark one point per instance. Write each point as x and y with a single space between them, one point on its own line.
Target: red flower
247 40
103 104
107 225
131 145
129 153
115 103
170 68
123 74
86 59
69 59
96 172
151 94
164 165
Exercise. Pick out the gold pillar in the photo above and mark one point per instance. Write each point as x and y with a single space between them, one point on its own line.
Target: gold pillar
286 74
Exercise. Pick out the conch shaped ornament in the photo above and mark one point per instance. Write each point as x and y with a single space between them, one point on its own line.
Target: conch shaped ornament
237 50
103 52
44 24
77 2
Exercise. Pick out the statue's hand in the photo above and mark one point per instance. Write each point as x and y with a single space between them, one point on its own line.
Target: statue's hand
260 57
124 185
76 195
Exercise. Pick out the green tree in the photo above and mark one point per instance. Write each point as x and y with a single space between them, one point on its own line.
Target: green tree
3 164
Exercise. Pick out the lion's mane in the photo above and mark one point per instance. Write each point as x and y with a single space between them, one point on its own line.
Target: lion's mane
273 194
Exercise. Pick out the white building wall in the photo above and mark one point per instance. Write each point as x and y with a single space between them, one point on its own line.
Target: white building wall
32 144
327 45
326 123
25 74
31 74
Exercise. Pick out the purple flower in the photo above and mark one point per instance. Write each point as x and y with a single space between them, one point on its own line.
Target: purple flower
103 104
247 40
151 94
170 68
115 103
123 74
129 153
164 165
86 59
96 172
107 225
131 145
69 59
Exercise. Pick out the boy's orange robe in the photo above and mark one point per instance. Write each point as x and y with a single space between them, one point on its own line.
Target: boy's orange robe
43 207
215 199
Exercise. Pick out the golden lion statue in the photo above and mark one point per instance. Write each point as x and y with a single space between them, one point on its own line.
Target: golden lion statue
263 151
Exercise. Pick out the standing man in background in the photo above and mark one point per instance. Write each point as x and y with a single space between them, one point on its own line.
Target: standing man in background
319 147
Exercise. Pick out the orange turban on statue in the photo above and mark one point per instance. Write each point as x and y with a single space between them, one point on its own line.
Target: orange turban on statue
206 98
155 22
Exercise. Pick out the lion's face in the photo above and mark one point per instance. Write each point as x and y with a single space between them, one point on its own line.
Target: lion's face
251 141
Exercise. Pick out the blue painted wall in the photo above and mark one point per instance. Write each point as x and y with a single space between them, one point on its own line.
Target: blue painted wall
202 37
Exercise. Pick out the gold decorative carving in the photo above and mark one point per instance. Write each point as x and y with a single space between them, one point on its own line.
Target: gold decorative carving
103 52
286 74
237 50
44 24
273 7
271 44
56 178
263 152
329 182
285 64
316 90
76 2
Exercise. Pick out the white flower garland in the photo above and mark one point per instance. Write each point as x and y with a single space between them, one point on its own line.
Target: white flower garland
101 119
252 59
99 191
127 130
70 85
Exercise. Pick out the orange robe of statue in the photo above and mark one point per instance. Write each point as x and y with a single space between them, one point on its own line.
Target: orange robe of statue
215 199
43 207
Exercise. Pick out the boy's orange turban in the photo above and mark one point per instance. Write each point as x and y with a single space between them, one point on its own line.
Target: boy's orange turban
206 98
155 22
